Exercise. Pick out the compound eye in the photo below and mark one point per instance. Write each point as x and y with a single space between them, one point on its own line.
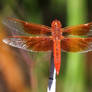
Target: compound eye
56 23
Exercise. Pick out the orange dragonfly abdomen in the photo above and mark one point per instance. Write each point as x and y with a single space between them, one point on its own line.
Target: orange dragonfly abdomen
57 55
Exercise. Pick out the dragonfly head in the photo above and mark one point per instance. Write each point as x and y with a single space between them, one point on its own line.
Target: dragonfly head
56 24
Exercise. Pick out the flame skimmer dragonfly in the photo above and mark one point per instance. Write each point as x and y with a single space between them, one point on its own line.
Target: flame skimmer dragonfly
52 38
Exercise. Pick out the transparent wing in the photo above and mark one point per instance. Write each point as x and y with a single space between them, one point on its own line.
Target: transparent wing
22 26
30 43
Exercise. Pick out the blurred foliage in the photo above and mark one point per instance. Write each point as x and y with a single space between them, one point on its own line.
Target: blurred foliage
24 72
75 73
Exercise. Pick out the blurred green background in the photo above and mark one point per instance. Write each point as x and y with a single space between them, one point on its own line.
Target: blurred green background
21 71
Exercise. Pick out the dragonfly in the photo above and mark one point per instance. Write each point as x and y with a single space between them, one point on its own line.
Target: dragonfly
54 38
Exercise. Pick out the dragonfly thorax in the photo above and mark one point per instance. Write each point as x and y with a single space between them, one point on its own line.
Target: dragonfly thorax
56 30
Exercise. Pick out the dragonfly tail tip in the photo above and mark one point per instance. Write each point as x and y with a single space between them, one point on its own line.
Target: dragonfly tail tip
57 73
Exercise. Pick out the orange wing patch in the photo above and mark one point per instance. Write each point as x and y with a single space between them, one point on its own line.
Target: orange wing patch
77 44
82 29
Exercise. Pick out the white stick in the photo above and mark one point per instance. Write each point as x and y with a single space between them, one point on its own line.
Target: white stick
52 78
52 83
